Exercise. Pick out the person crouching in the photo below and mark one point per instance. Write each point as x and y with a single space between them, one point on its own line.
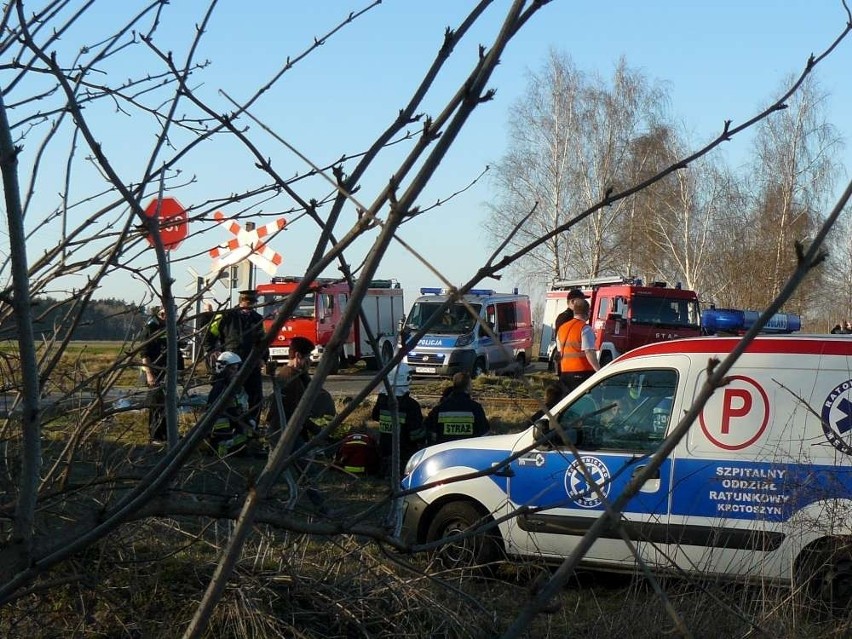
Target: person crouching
233 426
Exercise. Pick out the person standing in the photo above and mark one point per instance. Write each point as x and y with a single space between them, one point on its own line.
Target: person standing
576 340
573 295
239 330
154 354
458 416
411 433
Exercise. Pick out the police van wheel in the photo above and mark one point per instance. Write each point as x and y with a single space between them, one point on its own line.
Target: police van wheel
824 577
606 358
477 551
553 363
479 368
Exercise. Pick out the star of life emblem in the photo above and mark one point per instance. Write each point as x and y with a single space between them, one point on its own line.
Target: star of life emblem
579 489
837 417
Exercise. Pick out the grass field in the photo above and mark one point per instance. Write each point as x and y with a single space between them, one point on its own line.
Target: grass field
146 578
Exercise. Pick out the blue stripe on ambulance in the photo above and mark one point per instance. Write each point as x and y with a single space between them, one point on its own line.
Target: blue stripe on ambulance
475 459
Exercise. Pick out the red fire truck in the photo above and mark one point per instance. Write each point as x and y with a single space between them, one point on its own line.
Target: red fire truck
320 311
625 313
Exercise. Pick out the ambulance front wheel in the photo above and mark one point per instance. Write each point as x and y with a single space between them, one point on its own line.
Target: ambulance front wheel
824 576
478 550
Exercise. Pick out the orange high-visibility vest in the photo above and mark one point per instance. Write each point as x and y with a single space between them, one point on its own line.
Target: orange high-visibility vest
570 340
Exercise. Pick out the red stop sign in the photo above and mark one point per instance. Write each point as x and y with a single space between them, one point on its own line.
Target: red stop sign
173 222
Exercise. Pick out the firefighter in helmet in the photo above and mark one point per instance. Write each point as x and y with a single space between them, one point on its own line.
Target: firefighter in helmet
233 426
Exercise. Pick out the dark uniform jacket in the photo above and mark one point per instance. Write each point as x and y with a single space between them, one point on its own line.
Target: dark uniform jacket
411 433
239 330
457 417
293 384
155 349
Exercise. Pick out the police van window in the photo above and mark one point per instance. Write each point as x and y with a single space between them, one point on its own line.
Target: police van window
506 318
628 411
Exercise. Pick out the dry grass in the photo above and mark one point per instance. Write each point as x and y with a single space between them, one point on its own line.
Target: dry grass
146 579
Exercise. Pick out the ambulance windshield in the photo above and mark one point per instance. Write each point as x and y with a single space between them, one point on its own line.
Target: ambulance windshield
456 320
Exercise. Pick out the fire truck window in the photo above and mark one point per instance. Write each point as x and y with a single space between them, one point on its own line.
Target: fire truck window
327 304
306 307
603 308
620 307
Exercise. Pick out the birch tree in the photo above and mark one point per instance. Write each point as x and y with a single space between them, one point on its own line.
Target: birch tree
572 139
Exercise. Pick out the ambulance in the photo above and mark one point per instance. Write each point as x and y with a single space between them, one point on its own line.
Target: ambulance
760 488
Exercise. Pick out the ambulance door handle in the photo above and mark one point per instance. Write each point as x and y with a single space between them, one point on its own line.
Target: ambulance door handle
639 469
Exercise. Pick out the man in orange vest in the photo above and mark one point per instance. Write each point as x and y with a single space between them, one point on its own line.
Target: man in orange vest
576 341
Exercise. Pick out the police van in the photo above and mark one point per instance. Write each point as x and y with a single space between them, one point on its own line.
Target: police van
759 488
457 340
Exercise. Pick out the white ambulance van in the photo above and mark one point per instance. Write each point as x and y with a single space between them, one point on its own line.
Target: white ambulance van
457 341
760 488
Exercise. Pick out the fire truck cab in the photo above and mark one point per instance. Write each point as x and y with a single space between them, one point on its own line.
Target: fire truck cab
321 309
624 313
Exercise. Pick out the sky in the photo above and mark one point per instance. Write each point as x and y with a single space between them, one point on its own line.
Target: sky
718 60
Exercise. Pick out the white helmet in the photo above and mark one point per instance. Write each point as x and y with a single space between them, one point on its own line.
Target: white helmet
225 359
399 378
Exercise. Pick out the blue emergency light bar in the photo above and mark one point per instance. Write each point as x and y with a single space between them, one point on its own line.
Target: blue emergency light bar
434 290
731 320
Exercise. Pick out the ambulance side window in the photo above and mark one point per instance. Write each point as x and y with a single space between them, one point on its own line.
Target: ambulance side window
627 411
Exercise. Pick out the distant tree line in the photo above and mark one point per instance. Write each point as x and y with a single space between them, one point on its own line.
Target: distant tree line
101 320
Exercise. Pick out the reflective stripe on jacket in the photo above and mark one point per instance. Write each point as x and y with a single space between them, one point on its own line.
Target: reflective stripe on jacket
573 357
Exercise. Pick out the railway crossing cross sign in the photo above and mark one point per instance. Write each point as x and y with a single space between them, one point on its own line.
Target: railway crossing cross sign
248 244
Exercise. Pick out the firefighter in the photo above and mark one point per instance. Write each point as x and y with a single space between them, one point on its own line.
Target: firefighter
154 353
412 436
233 426
576 340
241 329
358 454
458 416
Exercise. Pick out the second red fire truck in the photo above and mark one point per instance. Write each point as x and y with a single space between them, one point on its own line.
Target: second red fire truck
320 311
